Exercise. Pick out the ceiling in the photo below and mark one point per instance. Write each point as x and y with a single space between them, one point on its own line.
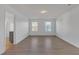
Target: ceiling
33 10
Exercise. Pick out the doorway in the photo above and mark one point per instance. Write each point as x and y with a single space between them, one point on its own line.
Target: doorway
9 29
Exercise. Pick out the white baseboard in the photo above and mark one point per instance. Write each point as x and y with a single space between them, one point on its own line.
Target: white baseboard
2 51
42 35
74 44
21 40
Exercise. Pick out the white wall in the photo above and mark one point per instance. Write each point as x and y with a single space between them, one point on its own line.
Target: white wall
20 25
41 27
21 29
2 31
67 27
9 19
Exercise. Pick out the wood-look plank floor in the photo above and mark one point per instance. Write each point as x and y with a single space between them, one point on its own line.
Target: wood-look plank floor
42 45
8 44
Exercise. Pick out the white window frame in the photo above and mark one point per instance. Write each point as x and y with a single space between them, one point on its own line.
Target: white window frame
48 26
35 27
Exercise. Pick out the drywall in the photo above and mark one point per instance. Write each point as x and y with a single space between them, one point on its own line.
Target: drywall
21 29
67 27
9 22
21 24
2 31
41 27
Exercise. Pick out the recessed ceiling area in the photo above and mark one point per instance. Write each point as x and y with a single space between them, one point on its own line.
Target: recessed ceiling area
35 11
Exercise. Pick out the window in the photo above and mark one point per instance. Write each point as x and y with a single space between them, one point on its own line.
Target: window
35 26
47 26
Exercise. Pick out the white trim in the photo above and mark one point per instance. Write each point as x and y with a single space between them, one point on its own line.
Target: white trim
74 44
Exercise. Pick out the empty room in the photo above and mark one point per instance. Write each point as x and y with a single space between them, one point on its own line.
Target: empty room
39 29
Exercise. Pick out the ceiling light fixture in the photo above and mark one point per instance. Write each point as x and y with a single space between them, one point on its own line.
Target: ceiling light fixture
43 11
